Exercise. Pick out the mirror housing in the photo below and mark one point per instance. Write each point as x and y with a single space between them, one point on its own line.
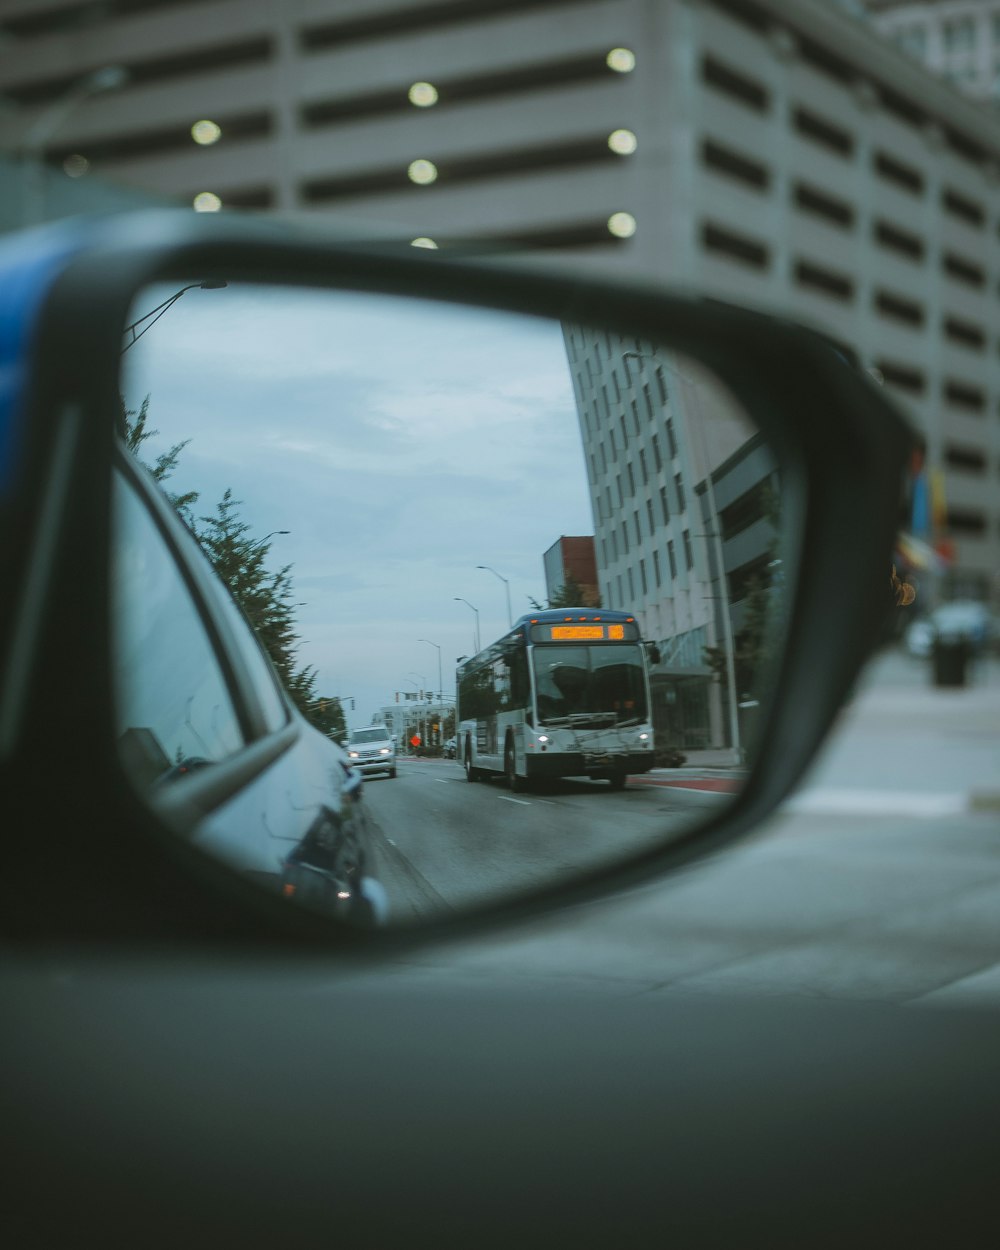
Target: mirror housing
67 292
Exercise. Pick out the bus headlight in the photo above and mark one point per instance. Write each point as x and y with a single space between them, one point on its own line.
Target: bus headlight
644 737
543 737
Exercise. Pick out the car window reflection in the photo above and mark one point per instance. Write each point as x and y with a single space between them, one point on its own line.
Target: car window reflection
175 713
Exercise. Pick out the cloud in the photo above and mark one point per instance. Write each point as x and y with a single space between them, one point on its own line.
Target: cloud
402 443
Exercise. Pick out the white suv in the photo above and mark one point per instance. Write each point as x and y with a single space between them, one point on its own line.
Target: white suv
372 750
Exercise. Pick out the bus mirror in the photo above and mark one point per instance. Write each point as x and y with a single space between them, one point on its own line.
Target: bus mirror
653 651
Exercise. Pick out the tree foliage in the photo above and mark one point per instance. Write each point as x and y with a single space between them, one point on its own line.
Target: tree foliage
266 597
569 595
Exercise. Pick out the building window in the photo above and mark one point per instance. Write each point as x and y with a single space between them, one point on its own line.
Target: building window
733 246
679 483
631 480
735 85
966 521
661 385
631 584
964 270
604 458
664 505
672 558
614 448
621 597
902 376
624 533
688 554
734 165
823 281
671 440
656 568
896 308
655 443
638 528
900 175
621 493
965 334
624 429
648 398
965 459
642 468
649 517
642 578
971 398
972 213
811 200
825 133
899 241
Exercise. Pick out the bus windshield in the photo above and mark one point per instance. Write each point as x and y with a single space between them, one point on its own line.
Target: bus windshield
589 685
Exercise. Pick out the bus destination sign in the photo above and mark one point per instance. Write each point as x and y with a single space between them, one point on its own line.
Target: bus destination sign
584 633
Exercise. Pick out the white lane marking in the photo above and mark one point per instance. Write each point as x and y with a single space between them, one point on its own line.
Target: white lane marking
877 802
504 799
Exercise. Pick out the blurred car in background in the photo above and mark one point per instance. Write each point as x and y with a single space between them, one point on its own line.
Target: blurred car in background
964 620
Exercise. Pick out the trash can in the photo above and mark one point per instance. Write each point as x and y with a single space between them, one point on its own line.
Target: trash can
950 660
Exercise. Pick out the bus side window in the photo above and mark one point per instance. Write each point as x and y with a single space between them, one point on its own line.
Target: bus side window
501 686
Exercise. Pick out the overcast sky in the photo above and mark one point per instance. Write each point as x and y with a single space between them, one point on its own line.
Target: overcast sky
401 443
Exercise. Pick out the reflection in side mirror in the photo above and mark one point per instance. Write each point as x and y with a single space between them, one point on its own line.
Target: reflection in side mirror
358 473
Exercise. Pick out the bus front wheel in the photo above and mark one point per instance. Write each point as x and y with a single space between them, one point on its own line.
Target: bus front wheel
516 783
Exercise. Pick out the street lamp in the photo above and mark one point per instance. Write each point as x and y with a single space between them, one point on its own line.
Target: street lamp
714 533
31 149
260 542
156 313
510 617
434 644
459 599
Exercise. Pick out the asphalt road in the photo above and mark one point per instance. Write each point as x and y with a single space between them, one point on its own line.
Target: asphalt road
879 880
440 844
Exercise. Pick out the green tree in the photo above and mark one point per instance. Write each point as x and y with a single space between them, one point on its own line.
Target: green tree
327 715
162 468
569 595
266 598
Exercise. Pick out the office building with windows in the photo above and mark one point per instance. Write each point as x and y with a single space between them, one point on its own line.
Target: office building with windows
774 154
958 39
686 512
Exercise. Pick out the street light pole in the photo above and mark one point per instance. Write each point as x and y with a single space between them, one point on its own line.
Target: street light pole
157 312
434 644
459 599
510 616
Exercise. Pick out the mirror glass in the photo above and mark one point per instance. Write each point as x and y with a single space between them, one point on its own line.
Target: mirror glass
523 580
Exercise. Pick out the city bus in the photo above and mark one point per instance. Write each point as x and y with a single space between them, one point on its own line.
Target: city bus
565 693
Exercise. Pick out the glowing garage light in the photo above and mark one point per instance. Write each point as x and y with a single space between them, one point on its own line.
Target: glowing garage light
76 165
422 172
423 241
623 142
207 202
622 225
206 132
621 60
423 95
